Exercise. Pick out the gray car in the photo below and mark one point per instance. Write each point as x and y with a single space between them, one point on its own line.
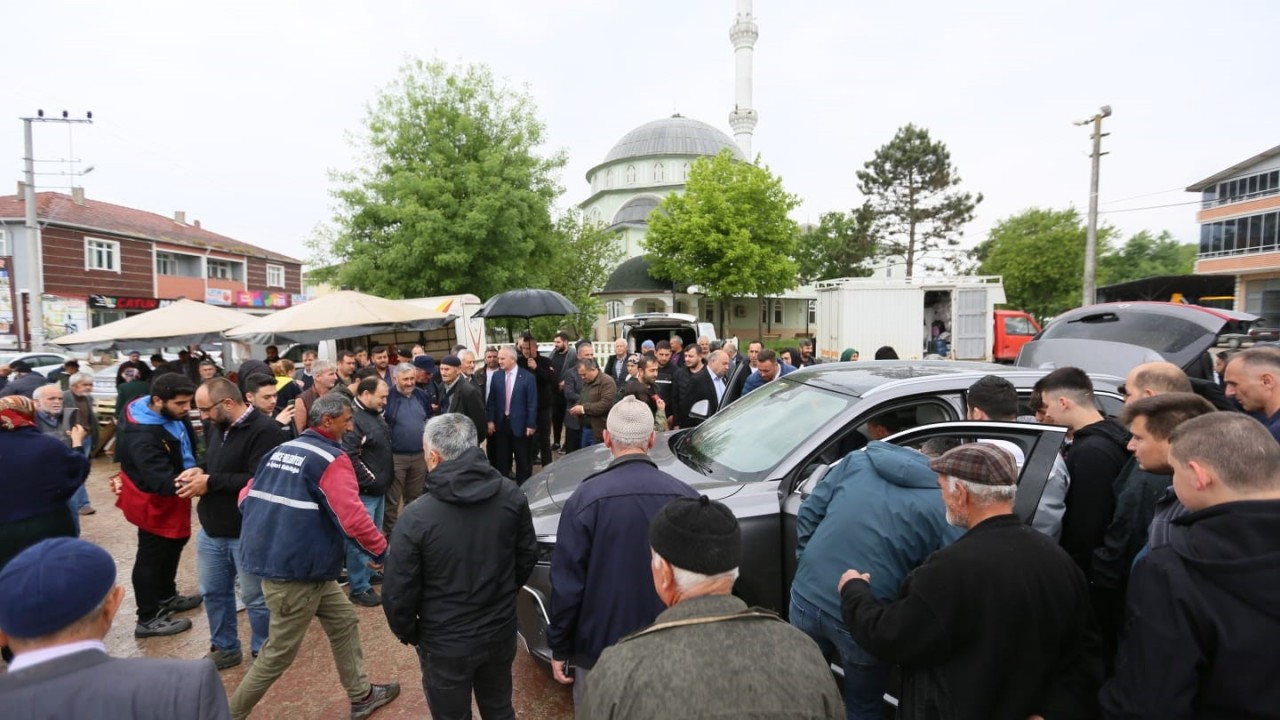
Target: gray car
762 453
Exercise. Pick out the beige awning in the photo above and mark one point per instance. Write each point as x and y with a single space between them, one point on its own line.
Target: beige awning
338 315
184 322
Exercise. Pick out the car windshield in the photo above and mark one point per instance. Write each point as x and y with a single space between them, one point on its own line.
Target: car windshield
1162 333
751 436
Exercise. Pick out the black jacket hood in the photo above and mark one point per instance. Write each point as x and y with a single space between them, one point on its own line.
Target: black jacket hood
1105 428
464 480
1235 547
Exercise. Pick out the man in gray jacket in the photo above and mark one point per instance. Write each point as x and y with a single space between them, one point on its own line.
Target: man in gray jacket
57 600
708 649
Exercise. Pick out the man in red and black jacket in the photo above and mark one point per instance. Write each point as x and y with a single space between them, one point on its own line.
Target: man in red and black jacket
155 447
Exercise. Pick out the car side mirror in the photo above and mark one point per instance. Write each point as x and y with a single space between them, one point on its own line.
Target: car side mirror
700 410
809 483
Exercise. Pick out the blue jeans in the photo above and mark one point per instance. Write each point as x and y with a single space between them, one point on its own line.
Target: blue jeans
865 677
81 496
218 561
359 574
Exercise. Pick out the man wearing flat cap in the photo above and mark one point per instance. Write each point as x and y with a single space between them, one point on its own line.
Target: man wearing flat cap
708 649
462 396
600 588
997 624
57 600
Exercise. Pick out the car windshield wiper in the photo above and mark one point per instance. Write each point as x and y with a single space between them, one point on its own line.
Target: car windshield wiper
687 457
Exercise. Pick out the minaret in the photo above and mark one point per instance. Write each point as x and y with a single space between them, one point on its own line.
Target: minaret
743 119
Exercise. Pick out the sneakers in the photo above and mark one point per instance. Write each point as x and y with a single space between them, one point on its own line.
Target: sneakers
223 659
86 510
376 579
180 604
160 626
368 598
378 696
343 579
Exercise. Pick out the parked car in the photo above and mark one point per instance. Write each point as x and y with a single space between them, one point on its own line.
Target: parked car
1113 337
761 453
42 362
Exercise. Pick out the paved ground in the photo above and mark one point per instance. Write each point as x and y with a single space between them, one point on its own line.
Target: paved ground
310 688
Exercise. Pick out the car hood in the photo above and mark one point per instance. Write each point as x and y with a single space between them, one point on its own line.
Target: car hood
1092 356
550 488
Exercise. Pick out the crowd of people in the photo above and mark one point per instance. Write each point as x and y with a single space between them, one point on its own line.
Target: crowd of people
1143 587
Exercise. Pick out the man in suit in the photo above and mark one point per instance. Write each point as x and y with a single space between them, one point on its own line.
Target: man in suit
513 416
616 367
57 600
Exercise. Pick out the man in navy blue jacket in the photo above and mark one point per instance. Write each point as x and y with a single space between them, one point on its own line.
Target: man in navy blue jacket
513 416
601 587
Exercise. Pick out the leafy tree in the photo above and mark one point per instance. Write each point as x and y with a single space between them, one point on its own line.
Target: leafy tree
838 246
585 253
729 233
452 196
910 184
1144 256
1040 253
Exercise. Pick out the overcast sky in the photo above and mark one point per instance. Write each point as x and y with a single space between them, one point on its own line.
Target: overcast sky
235 111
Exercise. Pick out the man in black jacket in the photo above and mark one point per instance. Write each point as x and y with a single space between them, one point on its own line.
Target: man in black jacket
562 359
1203 618
240 437
368 444
687 385
1098 453
458 557
548 381
156 445
995 625
461 396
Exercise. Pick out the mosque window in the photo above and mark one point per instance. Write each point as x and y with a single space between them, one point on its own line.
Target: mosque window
613 308
657 172
608 178
684 172
631 174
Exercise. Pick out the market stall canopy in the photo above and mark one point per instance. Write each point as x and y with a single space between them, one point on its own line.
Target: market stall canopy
336 316
183 322
527 303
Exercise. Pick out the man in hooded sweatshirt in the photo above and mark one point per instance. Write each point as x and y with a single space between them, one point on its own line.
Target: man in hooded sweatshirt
879 507
1203 619
458 556
1099 451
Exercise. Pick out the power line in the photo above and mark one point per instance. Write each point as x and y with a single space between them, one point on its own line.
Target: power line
1145 195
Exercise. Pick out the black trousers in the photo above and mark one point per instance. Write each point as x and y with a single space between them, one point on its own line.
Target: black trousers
449 682
155 571
558 407
507 446
543 436
572 439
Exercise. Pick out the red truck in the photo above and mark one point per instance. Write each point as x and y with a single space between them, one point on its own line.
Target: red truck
1014 328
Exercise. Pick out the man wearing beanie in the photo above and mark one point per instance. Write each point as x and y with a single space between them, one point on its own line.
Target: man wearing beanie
997 624
708 649
600 588
57 600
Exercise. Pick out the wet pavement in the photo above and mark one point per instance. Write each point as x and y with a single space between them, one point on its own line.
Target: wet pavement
310 688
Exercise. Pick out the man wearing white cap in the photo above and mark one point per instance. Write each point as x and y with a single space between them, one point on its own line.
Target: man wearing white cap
600 586
57 600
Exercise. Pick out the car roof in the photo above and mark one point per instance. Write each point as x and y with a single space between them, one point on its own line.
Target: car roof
868 378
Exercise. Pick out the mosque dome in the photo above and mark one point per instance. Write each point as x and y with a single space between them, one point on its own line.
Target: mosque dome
632 276
676 135
636 210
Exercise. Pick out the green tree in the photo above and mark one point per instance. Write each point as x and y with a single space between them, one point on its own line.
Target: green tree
453 195
729 233
585 253
838 246
1040 253
1145 255
911 186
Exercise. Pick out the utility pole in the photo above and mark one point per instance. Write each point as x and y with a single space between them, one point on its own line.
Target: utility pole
31 267
1091 233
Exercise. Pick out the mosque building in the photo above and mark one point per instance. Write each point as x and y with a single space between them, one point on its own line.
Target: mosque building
649 163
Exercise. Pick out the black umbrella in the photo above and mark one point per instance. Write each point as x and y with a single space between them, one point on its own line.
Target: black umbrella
527 303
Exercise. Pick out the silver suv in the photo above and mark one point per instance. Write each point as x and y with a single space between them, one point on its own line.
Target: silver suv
760 455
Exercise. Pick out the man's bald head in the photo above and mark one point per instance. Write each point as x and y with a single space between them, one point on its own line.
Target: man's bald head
1155 378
